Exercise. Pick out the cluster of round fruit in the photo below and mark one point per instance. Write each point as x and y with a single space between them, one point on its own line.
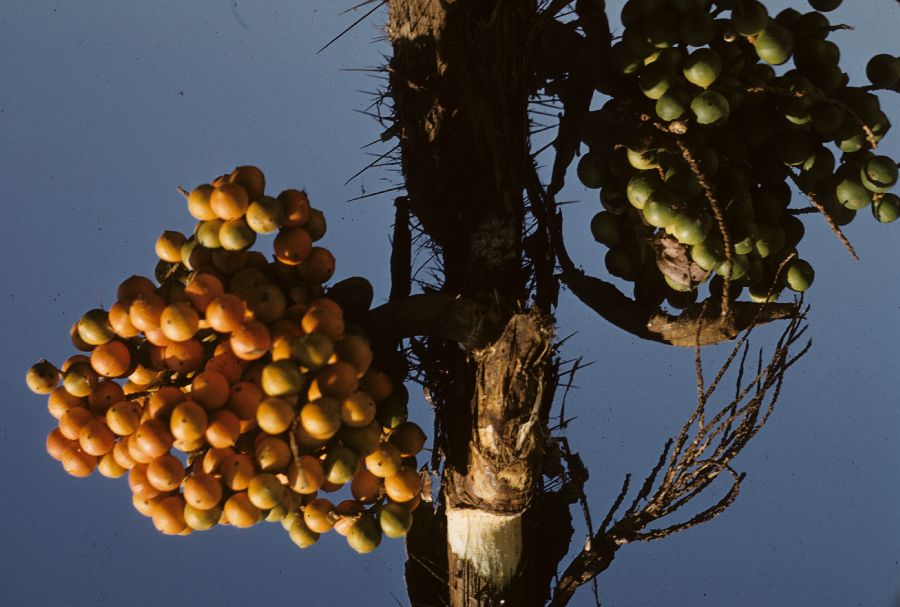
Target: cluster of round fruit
238 390
706 137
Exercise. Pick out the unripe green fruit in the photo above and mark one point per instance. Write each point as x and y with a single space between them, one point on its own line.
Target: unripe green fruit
691 228
301 534
340 465
759 293
673 104
236 235
696 28
395 520
678 286
702 67
774 45
886 208
852 194
738 268
825 5
208 233
655 79
605 228
878 174
265 214
621 262
749 18
826 117
642 186
800 275
770 240
661 30
682 182
883 71
365 535
659 210
710 107
642 161
792 147
707 256
592 171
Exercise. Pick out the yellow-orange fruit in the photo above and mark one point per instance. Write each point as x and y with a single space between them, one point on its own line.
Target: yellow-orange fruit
135 452
156 337
163 401
184 356
96 438
347 513
358 409
247 281
168 246
324 315
366 487
139 482
282 378
337 380
267 303
135 286
404 485
318 515
80 379
122 456
223 428
165 472
143 376
355 349
240 511
202 289
292 246
237 471
153 437
384 460
120 320
251 340
305 476
296 208
61 401
179 321
409 438
202 491
321 418
378 384
251 179
198 204
73 420
243 400
226 312
274 415
145 311
229 201
111 359
226 363
272 454
168 515
318 266
57 443
145 505
210 389
189 446
315 225
77 462
265 491
214 458
105 395
188 421
110 467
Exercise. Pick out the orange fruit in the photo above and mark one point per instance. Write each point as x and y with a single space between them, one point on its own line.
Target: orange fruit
226 312
315 225
109 467
251 179
321 418
325 316
210 389
358 409
57 443
227 364
165 472
179 321
274 415
237 471
184 356
229 201
168 246
168 515
403 486
241 512
223 429
145 311
296 208
202 289
355 349
61 401
409 438
153 438
120 321
76 461
305 476
122 456
292 246
272 454
73 420
265 491
243 400
135 286
111 359
337 380
140 483
96 438
251 340
188 421
318 266
366 487
202 491
198 203
80 379
104 396
163 401
214 458
384 460
319 515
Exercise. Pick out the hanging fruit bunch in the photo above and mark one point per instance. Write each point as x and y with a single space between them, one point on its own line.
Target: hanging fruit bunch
718 112
234 389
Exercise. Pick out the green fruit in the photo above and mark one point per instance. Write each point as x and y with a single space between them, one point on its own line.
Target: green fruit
208 233
313 350
642 186
749 18
792 147
811 24
42 377
621 262
624 61
886 208
678 286
852 194
659 210
768 205
774 45
605 228
696 28
878 174
661 30
825 5
796 110
265 214
691 228
825 75
738 268
592 170
883 71
673 104
759 293
642 161
707 255
702 67
682 182
365 535
392 411
793 230
631 14
236 235
710 108
613 201
809 50
826 117
655 79
770 240
395 520
799 276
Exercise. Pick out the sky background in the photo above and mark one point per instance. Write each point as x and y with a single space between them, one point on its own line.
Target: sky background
107 106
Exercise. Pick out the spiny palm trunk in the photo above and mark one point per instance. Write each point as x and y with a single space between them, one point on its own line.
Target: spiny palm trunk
459 82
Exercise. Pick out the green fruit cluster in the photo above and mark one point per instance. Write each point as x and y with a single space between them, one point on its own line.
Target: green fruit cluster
237 389
721 113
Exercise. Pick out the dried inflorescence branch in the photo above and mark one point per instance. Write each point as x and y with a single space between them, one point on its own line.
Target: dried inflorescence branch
692 461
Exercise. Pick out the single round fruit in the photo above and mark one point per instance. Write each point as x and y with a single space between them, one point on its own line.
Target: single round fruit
886 208
878 174
702 67
229 201
395 520
775 44
42 377
605 228
710 107
799 276
365 535
883 70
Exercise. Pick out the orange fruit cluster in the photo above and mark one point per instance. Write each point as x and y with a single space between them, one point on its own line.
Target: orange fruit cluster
232 390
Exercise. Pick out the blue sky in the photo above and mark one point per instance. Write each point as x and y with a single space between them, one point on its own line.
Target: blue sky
108 106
